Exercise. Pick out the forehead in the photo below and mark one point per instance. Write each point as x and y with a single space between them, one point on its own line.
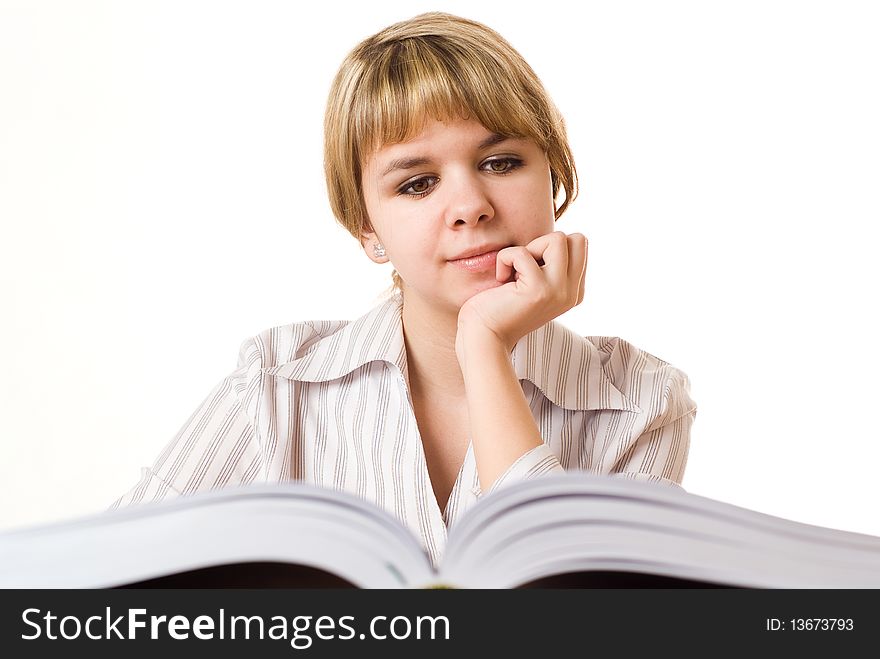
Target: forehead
432 138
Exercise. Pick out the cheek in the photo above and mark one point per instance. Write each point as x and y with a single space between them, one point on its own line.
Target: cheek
412 249
534 204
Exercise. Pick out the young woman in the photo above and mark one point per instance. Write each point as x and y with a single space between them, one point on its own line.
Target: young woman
445 156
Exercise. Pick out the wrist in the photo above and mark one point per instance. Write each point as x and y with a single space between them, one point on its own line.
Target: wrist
476 343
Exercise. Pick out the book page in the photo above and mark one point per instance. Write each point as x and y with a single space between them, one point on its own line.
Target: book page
295 524
578 522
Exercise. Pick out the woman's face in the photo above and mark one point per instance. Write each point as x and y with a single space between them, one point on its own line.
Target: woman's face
454 190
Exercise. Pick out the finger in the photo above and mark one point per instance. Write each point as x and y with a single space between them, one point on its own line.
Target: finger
552 250
577 265
504 270
517 262
538 246
583 287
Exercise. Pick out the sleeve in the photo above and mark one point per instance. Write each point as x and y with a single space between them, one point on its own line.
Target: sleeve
534 463
216 447
660 453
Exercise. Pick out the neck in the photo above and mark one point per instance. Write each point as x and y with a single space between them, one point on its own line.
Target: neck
432 365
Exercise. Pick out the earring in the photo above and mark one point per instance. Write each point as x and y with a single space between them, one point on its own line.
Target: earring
378 250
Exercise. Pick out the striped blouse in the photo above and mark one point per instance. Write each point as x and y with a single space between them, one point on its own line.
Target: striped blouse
326 402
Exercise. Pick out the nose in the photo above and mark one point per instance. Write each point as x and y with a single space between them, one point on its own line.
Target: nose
468 203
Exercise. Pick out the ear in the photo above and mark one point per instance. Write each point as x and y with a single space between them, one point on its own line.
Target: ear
369 241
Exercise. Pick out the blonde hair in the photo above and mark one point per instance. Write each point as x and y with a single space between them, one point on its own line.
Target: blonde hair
441 66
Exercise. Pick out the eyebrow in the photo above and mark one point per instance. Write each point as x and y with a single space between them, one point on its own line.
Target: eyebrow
418 161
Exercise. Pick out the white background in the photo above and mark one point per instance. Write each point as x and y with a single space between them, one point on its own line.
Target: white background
162 199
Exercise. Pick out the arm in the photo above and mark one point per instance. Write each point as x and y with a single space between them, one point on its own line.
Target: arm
502 426
505 437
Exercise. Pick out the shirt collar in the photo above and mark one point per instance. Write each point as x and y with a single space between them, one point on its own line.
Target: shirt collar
566 367
375 336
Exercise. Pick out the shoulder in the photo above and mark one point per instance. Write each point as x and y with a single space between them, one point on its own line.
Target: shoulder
651 382
325 350
279 345
593 372
622 361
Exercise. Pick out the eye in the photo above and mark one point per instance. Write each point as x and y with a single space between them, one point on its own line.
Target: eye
422 186
507 165
417 188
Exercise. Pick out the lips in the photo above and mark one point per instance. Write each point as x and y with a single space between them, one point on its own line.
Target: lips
484 262
478 251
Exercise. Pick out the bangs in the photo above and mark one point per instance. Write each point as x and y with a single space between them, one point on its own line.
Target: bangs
420 79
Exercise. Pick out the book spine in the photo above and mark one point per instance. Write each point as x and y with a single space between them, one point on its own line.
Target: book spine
438 585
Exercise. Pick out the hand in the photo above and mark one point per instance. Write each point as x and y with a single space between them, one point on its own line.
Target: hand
533 294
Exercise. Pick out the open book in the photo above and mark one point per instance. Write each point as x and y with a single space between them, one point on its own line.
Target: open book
562 530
